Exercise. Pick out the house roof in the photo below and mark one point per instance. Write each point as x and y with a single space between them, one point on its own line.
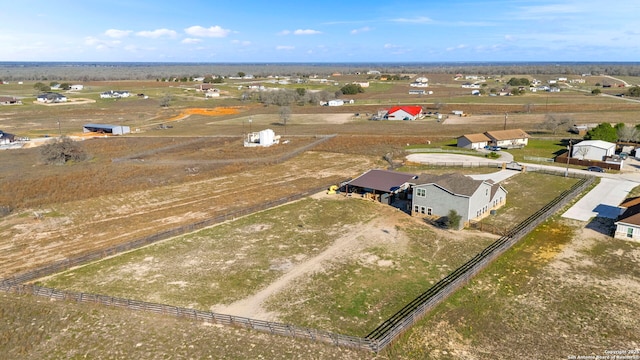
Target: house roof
630 216
409 109
507 134
381 180
476 138
597 144
454 183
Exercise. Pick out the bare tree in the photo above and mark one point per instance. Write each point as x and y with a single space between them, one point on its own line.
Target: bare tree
554 123
627 133
285 114
581 152
165 100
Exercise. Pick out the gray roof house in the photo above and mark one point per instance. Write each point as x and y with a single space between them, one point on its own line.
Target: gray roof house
436 195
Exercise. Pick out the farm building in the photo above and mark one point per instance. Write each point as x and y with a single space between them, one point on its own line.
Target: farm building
9 100
114 94
264 138
404 113
473 141
106 129
515 138
593 150
77 87
51 97
335 102
381 185
628 223
437 195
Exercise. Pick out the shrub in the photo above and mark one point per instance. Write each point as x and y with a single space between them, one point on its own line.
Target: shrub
453 220
62 150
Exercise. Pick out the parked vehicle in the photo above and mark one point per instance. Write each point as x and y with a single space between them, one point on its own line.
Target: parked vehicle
624 155
492 148
595 169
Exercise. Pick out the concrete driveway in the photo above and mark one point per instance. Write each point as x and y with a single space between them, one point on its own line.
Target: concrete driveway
601 201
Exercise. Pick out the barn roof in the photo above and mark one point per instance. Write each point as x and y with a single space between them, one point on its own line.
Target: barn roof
413 110
381 180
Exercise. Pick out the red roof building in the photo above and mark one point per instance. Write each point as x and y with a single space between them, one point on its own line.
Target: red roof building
404 113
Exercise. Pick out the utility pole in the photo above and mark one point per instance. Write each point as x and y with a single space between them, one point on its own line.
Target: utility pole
566 173
506 115
59 129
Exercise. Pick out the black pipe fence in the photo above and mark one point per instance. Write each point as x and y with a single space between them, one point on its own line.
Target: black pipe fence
375 341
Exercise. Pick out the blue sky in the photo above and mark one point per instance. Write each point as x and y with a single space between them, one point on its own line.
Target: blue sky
320 31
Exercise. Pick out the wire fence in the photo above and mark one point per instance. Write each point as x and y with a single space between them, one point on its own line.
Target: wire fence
375 341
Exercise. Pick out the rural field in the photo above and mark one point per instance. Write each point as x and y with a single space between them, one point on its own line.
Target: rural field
329 262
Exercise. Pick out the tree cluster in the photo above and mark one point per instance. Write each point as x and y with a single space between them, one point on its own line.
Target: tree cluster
351 89
634 91
518 82
62 151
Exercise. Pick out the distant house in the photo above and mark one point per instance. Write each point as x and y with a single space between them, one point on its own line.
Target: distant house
211 93
473 141
404 113
471 86
51 97
364 84
9 100
335 102
437 195
628 223
417 92
77 87
6 138
593 150
114 94
515 138
204 87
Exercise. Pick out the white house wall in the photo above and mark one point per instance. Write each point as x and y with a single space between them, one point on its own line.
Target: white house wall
624 230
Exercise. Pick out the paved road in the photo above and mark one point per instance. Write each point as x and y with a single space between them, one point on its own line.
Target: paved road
601 201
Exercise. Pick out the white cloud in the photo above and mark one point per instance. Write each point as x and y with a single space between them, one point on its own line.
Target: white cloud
390 46
306 32
243 43
191 41
284 32
360 30
458 47
213 31
157 33
100 44
285 47
117 34
416 20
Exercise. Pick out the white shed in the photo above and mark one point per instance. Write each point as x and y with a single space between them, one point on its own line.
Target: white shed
593 150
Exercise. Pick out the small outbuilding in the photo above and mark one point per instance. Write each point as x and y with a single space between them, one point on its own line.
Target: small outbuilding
263 138
593 150
381 185
106 129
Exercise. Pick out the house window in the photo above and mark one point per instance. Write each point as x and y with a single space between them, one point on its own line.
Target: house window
429 211
422 210
629 232
421 192
486 192
416 208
